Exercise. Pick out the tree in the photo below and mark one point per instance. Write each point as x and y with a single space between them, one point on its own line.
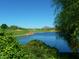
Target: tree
13 27
68 21
4 26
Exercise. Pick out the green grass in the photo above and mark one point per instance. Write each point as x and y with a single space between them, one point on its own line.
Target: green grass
22 32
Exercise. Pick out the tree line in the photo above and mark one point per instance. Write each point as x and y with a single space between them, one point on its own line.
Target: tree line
5 26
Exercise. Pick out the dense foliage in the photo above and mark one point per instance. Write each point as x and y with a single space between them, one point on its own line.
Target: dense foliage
38 50
9 48
68 21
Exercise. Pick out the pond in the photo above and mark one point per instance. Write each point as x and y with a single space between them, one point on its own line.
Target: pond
49 38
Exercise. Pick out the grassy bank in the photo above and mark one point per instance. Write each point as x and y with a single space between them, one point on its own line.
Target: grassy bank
19 32
39 50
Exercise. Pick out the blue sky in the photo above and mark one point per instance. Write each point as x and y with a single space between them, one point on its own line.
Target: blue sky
27 13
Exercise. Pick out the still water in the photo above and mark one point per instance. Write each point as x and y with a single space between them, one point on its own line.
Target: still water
49 38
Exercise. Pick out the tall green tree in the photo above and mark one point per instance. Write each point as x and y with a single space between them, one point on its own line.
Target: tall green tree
4 26
68 21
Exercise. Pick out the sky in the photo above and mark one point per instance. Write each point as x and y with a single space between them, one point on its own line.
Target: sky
27 13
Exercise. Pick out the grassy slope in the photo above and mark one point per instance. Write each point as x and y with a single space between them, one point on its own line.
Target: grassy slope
38 50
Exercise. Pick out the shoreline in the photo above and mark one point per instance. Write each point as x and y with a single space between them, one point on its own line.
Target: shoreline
29 34
23 35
